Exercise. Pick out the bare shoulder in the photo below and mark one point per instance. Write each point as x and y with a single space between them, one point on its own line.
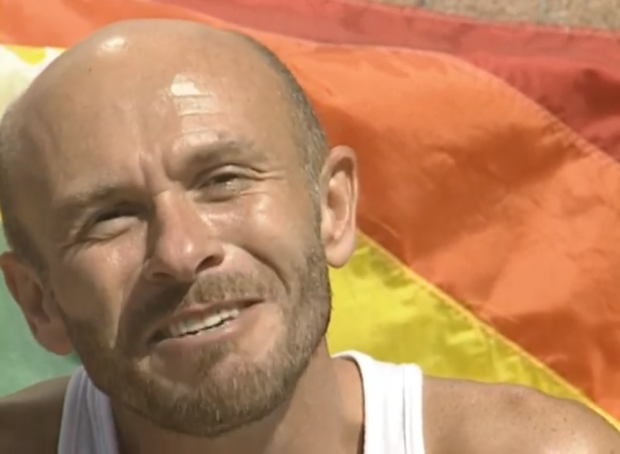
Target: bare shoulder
30 419
464 416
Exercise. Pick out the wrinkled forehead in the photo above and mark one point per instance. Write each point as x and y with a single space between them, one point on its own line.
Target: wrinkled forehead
108 113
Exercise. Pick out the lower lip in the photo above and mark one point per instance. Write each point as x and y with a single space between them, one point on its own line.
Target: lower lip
234 328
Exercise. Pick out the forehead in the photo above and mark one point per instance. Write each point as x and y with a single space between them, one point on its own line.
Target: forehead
102 116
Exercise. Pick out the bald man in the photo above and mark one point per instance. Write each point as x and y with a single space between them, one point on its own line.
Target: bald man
177 211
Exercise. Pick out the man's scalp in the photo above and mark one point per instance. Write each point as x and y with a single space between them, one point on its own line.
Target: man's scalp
13 144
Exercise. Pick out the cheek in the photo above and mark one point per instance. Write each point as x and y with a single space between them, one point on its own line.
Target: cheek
274 229
93 284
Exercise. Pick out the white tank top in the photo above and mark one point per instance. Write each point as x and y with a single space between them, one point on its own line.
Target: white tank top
392 409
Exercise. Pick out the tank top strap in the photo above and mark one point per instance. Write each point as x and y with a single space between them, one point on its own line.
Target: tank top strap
413 396
87 425
393 395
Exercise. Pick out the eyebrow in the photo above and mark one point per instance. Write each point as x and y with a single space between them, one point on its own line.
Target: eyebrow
216 150
76 204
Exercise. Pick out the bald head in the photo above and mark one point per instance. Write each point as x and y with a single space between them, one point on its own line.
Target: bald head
164 166
132 78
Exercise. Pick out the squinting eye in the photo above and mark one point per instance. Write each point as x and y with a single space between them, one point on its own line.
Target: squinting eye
222 178
224 185
113 214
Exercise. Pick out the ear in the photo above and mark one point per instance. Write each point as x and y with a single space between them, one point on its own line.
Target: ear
339 205
36 303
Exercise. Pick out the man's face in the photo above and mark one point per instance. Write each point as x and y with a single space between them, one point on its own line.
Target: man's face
183 245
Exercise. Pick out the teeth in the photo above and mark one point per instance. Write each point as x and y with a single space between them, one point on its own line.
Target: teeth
194 325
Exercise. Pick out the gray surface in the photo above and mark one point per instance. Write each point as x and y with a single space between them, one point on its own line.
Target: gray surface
602 14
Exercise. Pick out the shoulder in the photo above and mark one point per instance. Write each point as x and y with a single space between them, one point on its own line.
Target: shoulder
464 416
30 419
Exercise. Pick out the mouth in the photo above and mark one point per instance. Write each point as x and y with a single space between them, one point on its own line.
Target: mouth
198 321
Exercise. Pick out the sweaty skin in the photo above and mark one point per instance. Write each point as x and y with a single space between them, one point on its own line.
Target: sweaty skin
166 177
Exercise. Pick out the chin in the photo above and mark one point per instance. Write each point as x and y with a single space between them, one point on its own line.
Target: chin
213 395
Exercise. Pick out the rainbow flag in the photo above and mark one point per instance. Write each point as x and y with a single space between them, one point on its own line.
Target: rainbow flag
489 220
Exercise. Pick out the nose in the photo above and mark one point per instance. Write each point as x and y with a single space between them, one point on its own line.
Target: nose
181 242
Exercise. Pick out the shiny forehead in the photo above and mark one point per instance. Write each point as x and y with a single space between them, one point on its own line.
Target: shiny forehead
150 55
156 73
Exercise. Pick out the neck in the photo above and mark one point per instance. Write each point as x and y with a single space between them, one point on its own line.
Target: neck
324 414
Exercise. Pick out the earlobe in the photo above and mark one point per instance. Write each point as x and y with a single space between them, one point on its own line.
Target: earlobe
36 303
339 205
